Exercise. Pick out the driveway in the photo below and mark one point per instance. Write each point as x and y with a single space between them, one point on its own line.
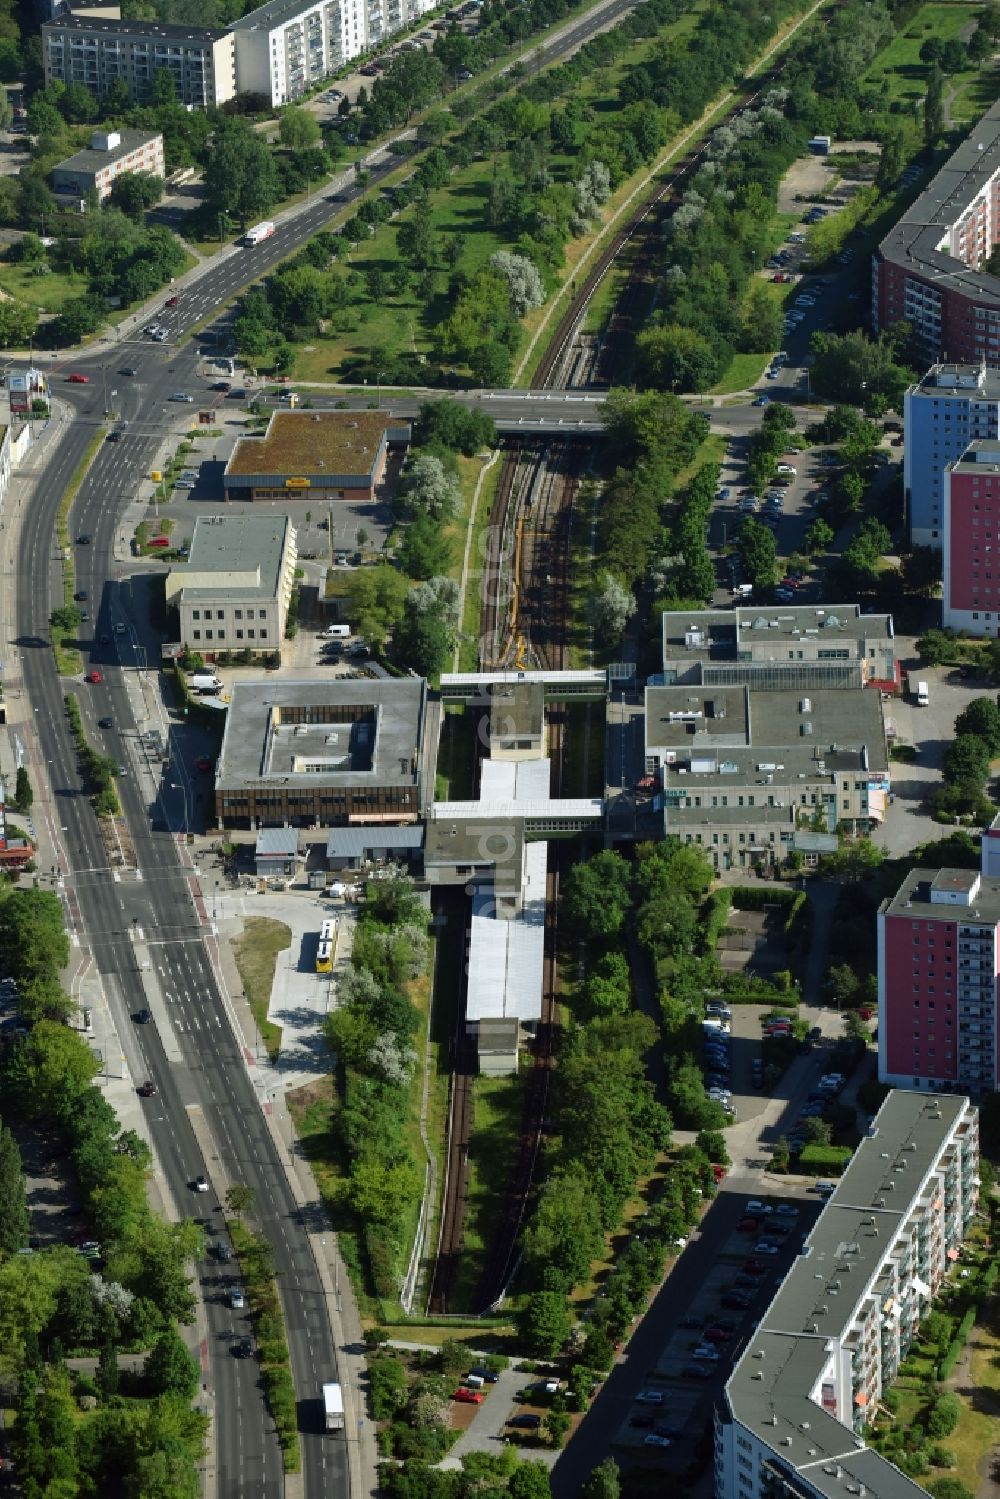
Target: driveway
486 1430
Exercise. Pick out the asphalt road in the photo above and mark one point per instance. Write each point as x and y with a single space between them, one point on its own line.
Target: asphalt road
199 1071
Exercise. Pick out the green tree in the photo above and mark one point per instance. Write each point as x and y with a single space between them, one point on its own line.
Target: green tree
170 1369
530 1481
758 553
455 427
934 107
376 598
23 794
169 1472
240 174
557 1424
424 551
298 129
604 1481
135 192
596 895
14 1220
544 1323
819 536
676 357
944 1415
712 1142
981 717
967 759
240 1199
424 639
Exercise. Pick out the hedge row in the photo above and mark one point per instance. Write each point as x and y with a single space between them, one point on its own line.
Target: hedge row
754 898
257 1264
714 916
958 1342
824 1160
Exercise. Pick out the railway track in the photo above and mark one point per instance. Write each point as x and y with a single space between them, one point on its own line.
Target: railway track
525 583
456 1187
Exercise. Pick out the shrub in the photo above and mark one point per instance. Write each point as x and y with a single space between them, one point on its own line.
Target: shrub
941 1457
947 1408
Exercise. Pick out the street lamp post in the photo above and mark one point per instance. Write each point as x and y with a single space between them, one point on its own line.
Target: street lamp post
179 786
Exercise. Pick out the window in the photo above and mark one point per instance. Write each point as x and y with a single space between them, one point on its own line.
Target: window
220 613
196 614
196 634
239 634
237 613
208 635
250 634
262 614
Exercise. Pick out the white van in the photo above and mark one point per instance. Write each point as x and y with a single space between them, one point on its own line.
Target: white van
337 632
923 695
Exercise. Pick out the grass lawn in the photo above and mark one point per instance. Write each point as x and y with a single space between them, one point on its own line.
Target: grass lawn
970 94
456 755
899 68
256 953
468 654
49 293
498 1111
744 372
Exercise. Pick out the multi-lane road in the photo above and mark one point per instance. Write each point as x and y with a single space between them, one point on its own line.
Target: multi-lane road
206 1118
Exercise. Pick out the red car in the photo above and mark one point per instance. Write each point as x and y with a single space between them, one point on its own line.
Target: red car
716 1335
172 301
203 763
467 1397
159 541
94 677
78 379
147 1090
718 1172
754 1267
747 1225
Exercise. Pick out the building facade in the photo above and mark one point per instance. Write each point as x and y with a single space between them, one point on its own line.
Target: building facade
111 154
938 961
317 456
831 1342
971 560
953 405
234 592
927 269
97 51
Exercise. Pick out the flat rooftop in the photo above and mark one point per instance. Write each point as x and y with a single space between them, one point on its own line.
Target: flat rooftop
973 381
167 31
272 15
913 242
961 894
818 1300
517 710
297 732
316 444
718 634
980 457
731 731
243 551
91 160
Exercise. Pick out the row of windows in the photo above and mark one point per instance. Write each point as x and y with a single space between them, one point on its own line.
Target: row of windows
221 634
221 614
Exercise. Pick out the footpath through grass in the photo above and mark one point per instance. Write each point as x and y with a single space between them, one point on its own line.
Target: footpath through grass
256 952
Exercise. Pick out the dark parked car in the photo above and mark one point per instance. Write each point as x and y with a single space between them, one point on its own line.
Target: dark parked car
528 1421
243 1348
142 1017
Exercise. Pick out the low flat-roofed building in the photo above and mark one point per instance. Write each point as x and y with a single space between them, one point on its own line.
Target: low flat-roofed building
276 853
497 1047
304 753
111 154
742 770
316 456
831 1342
233 592
798 647
517 720
353 848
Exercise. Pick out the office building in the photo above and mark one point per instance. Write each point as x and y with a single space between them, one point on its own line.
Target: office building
789 1423
234 591
927 269
938 960
794 647
111 154
765 730
953 405
971 598
317 456
95 51
300 753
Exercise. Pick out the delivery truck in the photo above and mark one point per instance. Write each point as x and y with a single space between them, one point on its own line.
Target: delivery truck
205 683
258 232
333 1405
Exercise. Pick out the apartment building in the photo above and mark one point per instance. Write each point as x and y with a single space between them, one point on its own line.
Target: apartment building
95 51
938 961
789 1422
927 269
285 47
971 547
234 591
111 154
953 405
765 730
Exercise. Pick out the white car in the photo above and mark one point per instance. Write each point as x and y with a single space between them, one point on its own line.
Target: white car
236 1299
650 1397
787 1210
764 1246
757 1209
653 1439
